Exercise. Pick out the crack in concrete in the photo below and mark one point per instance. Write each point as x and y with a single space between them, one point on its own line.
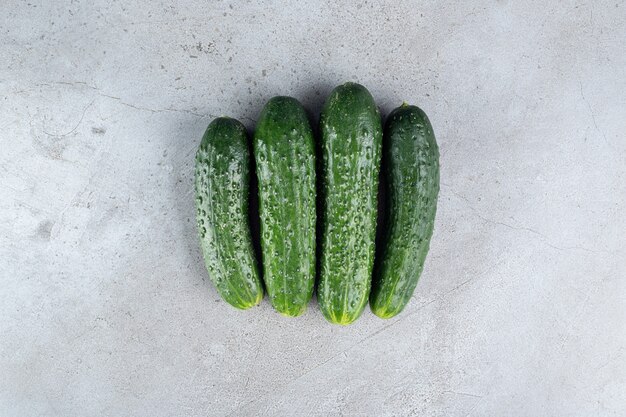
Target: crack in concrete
459 286
593 116
75 127
542 238
120 100
465 394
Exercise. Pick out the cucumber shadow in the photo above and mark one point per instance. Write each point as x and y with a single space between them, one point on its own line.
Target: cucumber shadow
382 217
253 210
383 194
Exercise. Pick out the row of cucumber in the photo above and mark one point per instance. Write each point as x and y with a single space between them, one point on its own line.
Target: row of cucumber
351 151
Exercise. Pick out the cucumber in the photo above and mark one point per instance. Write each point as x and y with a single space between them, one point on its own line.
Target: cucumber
285 164
351 151
411 160
222 175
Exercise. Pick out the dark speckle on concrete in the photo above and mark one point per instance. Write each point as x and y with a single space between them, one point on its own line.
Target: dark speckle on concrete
44 230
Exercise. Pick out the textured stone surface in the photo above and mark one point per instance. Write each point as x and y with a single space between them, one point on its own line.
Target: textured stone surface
105 306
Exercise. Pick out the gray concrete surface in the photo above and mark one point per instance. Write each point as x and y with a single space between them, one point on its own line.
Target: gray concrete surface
106 309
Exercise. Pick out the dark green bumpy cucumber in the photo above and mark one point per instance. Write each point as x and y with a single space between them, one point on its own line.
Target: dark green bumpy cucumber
222 177
285 164
351 152
411 160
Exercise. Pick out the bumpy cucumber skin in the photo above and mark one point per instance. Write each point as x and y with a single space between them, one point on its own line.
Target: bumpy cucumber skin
351 134
284 151
222 175
411 160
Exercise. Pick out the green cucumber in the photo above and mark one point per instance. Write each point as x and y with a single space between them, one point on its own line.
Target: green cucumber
222 175
351 151
284 151
411 160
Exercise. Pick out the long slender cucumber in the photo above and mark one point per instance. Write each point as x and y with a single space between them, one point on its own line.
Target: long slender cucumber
222 175
285 163
411 160
351 151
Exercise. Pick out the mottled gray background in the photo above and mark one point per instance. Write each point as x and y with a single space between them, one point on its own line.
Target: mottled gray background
105 306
